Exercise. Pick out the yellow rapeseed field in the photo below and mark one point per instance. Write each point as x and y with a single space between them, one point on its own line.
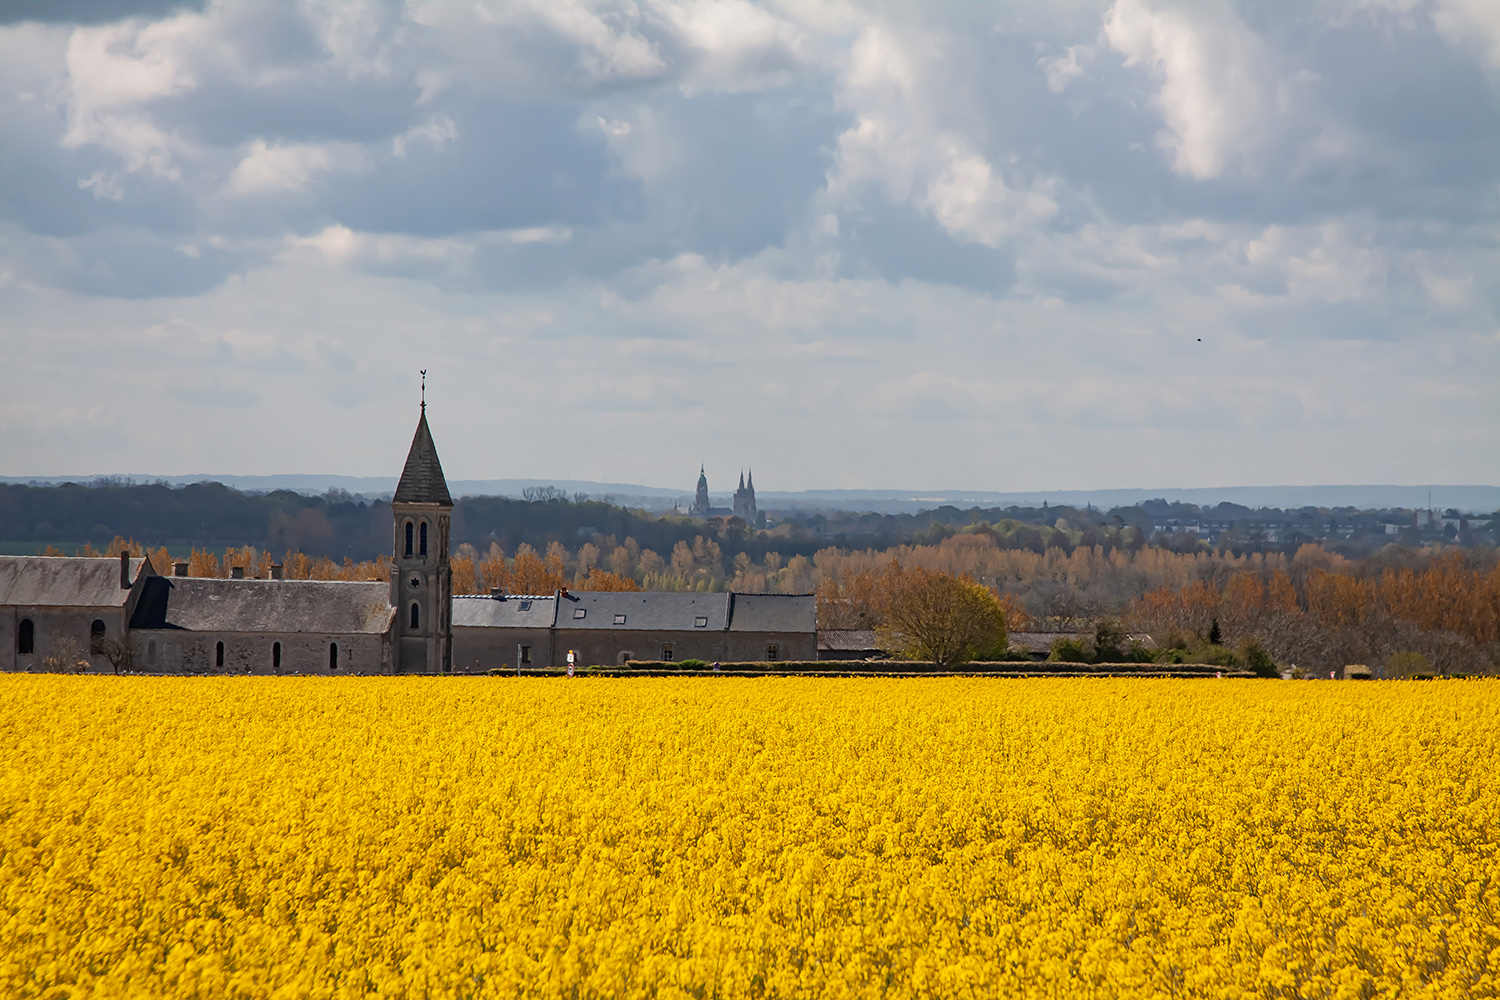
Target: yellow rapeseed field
491 837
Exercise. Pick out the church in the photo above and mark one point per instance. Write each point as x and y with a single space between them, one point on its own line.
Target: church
744 500
78 614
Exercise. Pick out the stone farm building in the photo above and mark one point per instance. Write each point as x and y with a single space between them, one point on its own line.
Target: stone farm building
95 615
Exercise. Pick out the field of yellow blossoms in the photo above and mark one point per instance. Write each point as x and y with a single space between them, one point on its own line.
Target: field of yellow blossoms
490 837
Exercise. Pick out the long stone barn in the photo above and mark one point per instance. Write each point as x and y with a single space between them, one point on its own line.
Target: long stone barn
101 615
611 628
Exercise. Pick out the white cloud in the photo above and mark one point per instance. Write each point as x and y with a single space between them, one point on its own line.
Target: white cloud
1216 90
894 85
1472 25
112 70
1064 69
437 131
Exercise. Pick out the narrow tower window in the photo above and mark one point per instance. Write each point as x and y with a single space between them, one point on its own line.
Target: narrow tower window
275 656
96 636
424 539
333 656
408 538
25 638
219 655
415 618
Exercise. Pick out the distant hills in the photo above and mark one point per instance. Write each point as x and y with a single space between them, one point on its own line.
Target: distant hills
1471 499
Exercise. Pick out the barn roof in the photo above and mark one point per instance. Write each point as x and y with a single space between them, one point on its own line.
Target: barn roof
512 611
637 610
324 607
63 581
774 613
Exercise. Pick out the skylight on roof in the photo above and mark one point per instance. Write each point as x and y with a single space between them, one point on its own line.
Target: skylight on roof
700 622
524 606
580 612
619 619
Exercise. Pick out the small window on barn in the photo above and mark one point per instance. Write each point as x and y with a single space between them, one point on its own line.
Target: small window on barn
151 651
773 653
423 548
219 655
525 654
619 619
580 612
25 638
333 656
96 636
275 656
666 652
416 617
700 622
408 537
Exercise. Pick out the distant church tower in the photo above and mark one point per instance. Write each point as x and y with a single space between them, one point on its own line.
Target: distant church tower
744 499
421 579
700 502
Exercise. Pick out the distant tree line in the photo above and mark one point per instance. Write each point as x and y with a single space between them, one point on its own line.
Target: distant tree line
338 525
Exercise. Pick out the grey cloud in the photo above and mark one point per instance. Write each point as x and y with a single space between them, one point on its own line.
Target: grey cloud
127 263
90 11
896 242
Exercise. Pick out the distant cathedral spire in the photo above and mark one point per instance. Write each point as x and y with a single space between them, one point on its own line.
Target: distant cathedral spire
700 500
744 499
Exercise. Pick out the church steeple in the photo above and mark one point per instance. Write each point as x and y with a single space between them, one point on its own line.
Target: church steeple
422 480
421 577
744 499
700 499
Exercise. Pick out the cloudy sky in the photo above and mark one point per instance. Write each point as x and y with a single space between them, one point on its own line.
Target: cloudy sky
980 245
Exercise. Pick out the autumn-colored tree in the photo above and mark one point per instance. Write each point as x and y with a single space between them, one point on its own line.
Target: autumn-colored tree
296 566
529 575
600 579
1017 619
203 563
493 571
937 616
465 580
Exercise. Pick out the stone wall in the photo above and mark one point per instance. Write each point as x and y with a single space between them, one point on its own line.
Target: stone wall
171 651
754 646
604 646
478 649
51 625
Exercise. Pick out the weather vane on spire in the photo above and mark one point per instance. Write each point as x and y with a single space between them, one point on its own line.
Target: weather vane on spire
424 390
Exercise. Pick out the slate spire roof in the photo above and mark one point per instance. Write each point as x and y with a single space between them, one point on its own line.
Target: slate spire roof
422 480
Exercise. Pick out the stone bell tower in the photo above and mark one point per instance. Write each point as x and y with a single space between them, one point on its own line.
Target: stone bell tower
421 579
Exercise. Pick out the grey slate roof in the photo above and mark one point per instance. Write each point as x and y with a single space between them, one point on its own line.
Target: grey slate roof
489 612
63 582
853 640
327 607
422 480
774 613
657 611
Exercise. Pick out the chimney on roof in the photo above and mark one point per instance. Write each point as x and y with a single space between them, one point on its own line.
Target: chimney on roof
276 571
124 570
179 569
237 573
498 593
